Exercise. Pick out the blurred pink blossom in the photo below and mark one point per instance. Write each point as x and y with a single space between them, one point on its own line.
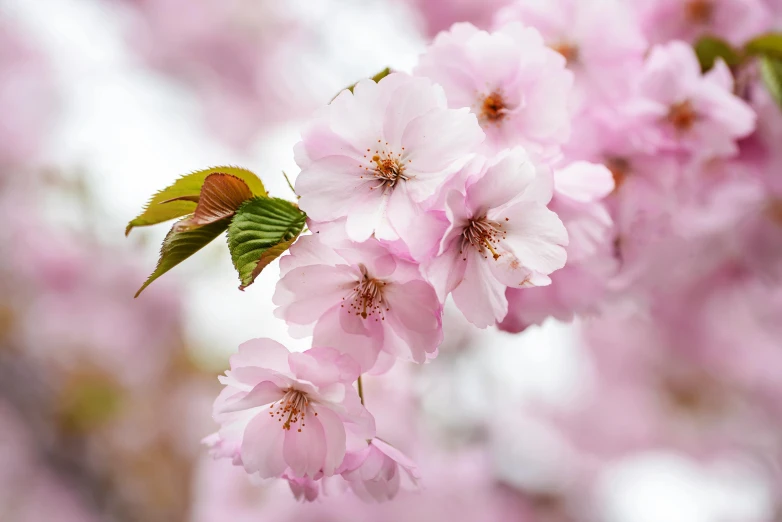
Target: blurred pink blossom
239 57
600 39
733 20
27 99
678 108
378 471
440 15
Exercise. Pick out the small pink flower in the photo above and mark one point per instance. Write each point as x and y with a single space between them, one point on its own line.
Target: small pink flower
516 85
377 156
288 413
360 298
685 111
377 472
501 235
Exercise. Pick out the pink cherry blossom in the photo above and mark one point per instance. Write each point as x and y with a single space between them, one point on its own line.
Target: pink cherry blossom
288 413
516 85
600 39
734 20
378 155
501 235
582 284
69 296
361 299
684 110
378 471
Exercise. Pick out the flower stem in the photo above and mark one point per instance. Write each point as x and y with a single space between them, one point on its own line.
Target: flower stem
361 390
290 185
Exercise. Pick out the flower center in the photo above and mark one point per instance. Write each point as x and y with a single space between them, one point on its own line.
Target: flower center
774 210
568 50
493 108
682 115
389 171
620 169
483 235
694 395
386 168
366 298
700 12
292 408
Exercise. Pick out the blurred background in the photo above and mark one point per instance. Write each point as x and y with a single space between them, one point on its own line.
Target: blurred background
104 399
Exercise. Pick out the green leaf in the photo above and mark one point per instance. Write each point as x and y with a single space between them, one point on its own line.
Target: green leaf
769 44
771 71
709 49
179 199
376 78
261 230
178 246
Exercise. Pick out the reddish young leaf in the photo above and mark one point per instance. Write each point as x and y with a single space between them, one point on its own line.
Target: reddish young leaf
220 196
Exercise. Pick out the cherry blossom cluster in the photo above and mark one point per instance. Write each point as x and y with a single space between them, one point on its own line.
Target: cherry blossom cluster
416 187
553 166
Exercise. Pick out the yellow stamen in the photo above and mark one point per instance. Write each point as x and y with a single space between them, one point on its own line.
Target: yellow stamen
491 248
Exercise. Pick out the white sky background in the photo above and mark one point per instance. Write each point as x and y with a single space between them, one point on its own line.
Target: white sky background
133 131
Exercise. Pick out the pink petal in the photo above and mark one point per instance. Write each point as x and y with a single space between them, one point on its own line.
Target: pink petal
420 230
322 366
263 353
415 315
446 271
417 97
535 235
315 289
415 304
480 297
434 142
362 348
262 446
584 181
368 214
509 270
334 437
395 454
503 181
264 393
305 450
331 187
